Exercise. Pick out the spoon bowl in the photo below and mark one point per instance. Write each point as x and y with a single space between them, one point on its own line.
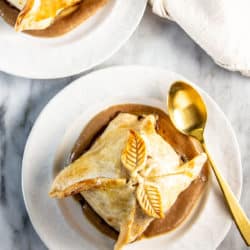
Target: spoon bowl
187 110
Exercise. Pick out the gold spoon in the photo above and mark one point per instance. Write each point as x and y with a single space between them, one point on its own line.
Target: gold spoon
188 113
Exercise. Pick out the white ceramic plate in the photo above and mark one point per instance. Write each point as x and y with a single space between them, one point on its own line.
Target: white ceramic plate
83 48
61 224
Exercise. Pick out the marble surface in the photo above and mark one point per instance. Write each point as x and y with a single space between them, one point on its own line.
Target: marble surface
156 42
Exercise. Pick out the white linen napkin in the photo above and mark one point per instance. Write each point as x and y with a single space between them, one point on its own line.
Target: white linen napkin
220 27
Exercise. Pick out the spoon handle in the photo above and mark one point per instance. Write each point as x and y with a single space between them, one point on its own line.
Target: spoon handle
237 212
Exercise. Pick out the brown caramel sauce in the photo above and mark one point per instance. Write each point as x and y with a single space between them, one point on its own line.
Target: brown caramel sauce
62 24
185 146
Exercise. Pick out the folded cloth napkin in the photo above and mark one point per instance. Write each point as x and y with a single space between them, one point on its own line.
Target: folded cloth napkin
220 27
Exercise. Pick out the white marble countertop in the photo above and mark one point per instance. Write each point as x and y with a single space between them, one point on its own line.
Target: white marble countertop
156 42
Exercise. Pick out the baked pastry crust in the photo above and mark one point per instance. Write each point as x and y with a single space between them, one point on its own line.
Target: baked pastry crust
146 188
62 24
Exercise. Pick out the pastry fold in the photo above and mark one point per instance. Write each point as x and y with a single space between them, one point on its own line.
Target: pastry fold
129 176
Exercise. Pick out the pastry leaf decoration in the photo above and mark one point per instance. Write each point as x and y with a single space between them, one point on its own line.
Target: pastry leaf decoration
134 158
149 198
134 155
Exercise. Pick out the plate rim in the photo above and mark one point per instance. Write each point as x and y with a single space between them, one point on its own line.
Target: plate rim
118 44
129 67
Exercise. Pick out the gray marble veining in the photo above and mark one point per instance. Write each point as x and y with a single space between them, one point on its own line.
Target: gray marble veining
156 42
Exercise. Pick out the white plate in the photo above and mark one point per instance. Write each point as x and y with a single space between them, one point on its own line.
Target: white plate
61 224
83 48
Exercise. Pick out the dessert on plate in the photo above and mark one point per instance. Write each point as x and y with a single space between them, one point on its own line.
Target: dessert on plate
136 171
48 18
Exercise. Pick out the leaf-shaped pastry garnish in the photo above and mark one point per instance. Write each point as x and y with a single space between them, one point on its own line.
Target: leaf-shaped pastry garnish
134 155
149 198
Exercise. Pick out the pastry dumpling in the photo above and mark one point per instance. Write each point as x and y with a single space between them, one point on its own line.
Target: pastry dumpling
129 176
40 14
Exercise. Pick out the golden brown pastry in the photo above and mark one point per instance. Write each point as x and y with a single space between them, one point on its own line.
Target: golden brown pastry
130 176
40 14
48 18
